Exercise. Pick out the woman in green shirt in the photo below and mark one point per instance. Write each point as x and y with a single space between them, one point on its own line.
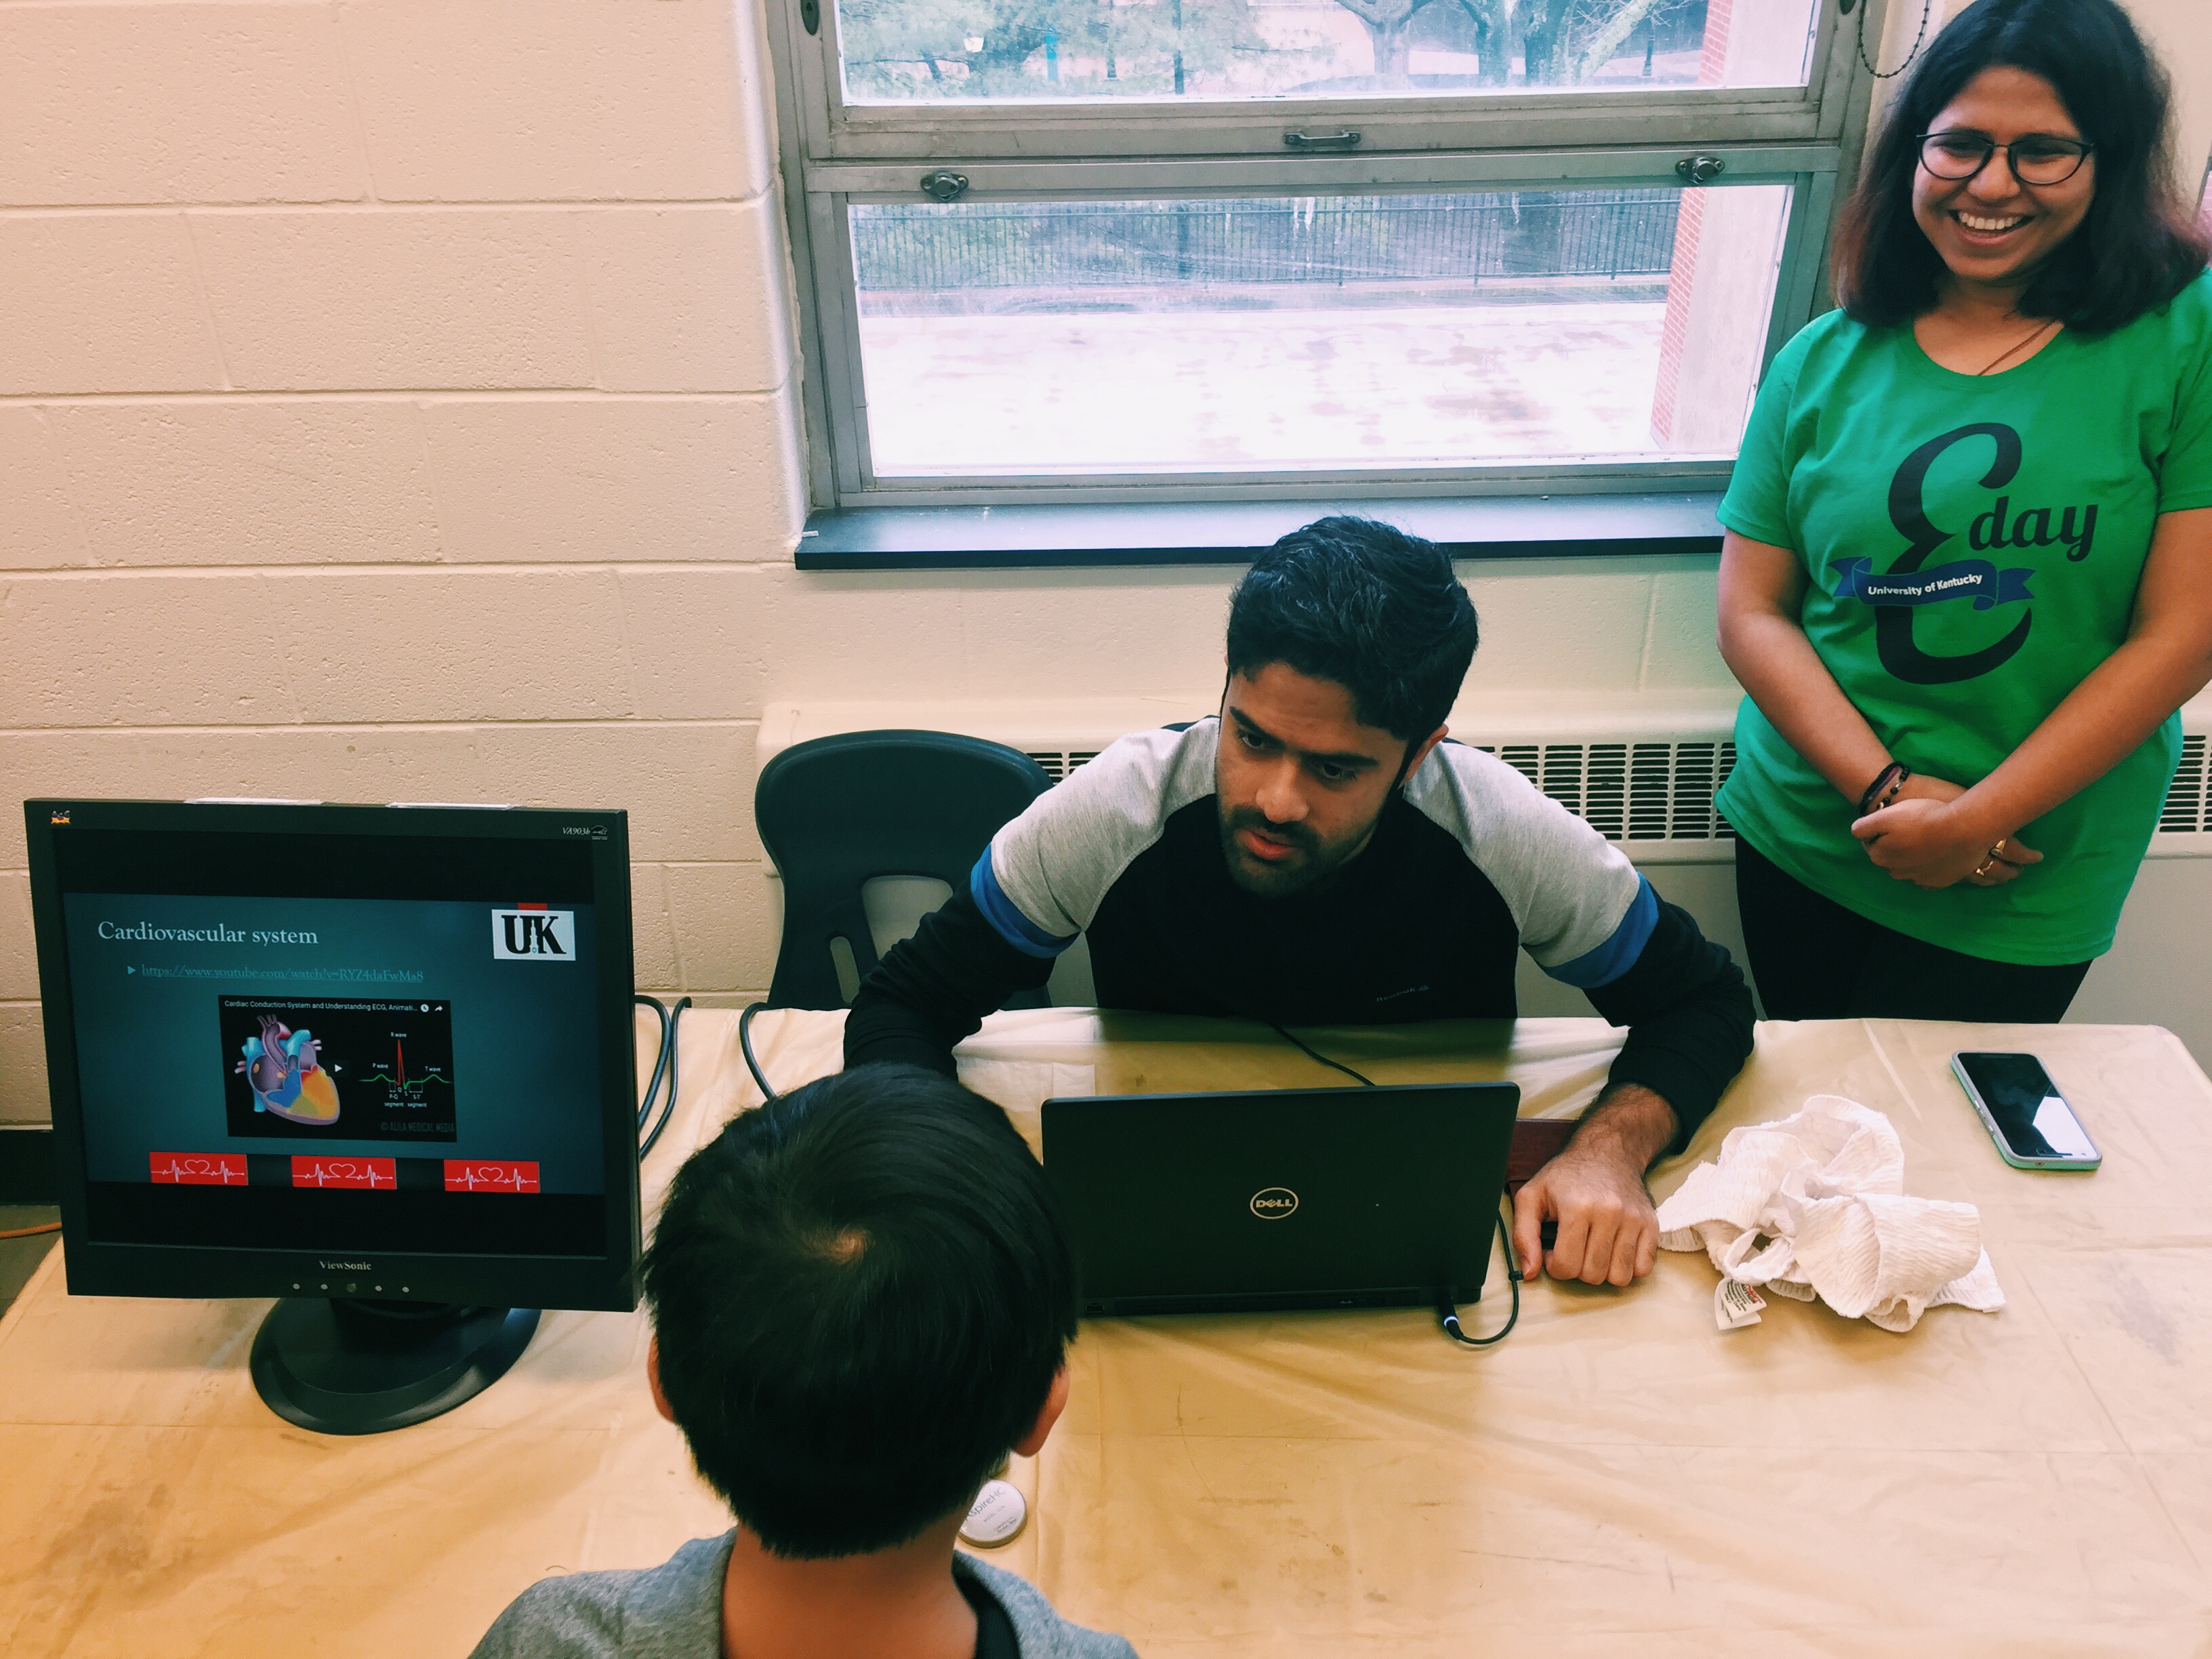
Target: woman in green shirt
1967 578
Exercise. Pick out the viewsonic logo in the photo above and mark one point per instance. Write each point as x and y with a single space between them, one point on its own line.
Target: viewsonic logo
531 932
343 1266
1273 1203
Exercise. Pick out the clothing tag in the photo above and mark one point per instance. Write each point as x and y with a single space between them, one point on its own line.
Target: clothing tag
996 1516
1736 1304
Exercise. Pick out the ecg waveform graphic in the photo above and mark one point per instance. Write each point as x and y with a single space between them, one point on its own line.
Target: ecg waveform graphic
396 1077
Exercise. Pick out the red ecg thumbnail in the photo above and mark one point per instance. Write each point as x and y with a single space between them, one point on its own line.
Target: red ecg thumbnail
368 1174
197 1169
482 1175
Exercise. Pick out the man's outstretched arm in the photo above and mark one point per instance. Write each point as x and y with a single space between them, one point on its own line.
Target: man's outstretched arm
934 989
1690 1016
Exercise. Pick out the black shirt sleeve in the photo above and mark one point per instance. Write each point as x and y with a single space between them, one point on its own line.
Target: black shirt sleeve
934 989
994 1631
1689 1018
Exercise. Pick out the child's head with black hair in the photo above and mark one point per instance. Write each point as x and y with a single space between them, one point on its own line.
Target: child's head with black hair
862 1294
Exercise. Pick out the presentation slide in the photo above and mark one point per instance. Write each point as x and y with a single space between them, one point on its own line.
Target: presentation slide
337 1044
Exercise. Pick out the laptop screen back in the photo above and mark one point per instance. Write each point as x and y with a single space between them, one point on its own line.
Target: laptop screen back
1321 1198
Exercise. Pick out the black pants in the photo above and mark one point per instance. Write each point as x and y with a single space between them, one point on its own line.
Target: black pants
1814 959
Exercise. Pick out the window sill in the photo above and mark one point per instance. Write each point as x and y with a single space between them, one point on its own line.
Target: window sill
1234 532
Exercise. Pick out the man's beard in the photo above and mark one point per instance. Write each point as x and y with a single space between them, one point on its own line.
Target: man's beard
1315 863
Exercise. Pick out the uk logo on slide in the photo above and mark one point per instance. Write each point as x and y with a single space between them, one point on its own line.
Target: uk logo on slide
531 932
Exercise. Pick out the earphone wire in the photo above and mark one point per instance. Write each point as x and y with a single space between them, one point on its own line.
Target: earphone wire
1313 1053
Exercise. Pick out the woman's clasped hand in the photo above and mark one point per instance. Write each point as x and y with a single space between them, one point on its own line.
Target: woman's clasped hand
1926 837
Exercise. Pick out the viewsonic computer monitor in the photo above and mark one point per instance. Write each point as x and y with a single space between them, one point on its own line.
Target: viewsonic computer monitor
376 1062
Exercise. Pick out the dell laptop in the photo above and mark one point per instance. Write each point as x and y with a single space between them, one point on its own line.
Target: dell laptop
1282 1198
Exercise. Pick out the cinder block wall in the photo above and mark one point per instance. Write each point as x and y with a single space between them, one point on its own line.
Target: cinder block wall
395 402
398 401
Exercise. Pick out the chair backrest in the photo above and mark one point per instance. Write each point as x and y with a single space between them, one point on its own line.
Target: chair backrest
837 812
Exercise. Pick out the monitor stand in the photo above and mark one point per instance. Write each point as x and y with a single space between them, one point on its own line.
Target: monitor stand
340 1366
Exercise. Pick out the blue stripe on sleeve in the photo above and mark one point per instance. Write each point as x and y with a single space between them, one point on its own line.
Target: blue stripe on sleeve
1005 917
1618 954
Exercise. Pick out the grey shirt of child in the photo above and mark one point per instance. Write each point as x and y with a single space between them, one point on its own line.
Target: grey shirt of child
674 1610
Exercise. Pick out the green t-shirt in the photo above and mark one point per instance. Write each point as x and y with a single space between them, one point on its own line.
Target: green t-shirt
1973 546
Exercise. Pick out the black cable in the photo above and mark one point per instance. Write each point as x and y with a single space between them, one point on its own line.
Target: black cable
1445 1311
745 1044
1315 1054
668 1047
659 1058
1450 1315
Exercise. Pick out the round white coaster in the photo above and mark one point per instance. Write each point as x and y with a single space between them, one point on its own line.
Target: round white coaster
996 1516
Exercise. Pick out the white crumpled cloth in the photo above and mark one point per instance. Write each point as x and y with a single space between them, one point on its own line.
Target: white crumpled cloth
1815 1205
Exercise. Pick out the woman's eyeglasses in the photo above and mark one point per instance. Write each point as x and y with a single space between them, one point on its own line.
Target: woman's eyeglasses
2036 158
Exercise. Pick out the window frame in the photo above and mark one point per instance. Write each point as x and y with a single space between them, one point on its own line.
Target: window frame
837 154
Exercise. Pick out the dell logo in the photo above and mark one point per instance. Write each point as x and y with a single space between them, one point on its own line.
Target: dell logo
1273 1203
531 933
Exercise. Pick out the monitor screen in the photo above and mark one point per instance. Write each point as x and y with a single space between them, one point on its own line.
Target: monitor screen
347 1041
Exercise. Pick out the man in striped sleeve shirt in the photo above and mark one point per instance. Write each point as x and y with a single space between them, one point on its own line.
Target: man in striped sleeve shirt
1318 853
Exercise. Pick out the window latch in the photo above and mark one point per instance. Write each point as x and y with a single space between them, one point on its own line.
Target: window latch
1700 169
943 185
1347 139
810 16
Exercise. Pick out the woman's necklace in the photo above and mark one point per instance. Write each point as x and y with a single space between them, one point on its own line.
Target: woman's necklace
2018 346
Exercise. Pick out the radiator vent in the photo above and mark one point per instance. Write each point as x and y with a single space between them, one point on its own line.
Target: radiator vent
1664 791
1631 790
1059 763
2185 806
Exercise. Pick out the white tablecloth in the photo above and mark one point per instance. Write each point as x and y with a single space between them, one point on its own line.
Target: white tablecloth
1617 1477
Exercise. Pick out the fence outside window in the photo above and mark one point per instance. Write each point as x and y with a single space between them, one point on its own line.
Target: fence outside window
922 247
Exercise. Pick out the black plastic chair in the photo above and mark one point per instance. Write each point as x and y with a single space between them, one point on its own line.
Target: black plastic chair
837 812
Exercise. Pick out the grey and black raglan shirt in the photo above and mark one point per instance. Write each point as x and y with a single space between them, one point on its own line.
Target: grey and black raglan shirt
1469 865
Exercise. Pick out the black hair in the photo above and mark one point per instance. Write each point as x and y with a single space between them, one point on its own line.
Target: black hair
861 1293
1365 606
2136 248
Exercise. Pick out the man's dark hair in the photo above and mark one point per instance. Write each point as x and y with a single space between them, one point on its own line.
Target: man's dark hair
2134 249
1365 606
861 1293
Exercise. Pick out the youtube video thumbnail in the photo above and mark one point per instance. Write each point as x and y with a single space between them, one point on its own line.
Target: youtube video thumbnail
307 1068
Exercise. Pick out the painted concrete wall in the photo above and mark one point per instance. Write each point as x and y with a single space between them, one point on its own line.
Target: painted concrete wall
397 401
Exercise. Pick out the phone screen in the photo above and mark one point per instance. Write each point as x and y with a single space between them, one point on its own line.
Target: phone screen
2030 1113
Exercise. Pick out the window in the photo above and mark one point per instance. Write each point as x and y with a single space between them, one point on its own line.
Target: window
1098 250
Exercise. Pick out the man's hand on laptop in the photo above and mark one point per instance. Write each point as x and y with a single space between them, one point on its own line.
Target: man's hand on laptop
1608 1231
